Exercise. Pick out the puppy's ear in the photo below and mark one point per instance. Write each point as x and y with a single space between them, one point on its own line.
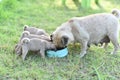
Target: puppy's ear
64 40
70 21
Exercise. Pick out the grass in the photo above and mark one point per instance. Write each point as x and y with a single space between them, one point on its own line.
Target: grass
98 64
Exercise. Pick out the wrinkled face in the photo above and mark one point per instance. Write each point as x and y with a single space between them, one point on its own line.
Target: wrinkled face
59 40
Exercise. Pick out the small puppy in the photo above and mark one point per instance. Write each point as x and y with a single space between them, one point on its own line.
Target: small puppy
88 30
34 30
35 44
26 34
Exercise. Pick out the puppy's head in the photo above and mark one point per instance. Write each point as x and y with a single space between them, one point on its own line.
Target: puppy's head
62 36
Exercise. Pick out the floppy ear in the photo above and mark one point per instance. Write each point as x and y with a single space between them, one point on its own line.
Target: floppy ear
64 40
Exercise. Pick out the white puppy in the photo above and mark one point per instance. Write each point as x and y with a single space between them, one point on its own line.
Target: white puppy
88 30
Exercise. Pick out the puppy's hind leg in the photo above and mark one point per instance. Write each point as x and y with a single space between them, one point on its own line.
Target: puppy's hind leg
105 45
24 52
114 40
83 49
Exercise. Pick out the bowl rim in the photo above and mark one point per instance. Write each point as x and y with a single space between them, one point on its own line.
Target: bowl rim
56 50
58 53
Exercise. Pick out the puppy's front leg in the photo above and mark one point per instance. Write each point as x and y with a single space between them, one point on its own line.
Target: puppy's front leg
42 50
83 49
42 53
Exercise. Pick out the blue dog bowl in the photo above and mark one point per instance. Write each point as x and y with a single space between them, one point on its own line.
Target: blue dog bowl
58 53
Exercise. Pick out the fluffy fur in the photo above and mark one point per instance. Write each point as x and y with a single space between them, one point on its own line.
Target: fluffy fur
35 44
88 30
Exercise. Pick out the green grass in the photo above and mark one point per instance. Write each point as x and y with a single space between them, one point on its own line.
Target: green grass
98 64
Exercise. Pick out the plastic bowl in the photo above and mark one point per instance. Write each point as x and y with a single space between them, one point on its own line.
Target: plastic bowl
58 53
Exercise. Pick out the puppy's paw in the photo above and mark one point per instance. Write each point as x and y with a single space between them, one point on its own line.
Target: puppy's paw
82 54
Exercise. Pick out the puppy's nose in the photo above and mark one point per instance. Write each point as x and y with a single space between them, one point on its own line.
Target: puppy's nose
51 37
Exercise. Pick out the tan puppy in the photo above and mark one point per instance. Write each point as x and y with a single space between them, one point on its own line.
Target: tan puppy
34 30
88 30
26 34
35 44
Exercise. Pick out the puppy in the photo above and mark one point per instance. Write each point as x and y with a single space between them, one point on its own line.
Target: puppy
34 30
88 30
26 34
35 44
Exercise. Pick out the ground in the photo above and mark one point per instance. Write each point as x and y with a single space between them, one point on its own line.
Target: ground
98 64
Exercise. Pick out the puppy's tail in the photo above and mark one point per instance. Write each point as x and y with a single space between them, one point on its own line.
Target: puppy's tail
25 27
25 33
116 12
25 40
